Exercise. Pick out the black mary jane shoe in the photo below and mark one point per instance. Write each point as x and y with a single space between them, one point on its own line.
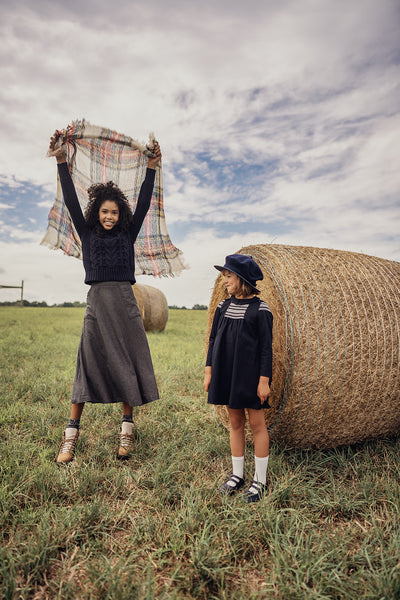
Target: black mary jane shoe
231 486
255 492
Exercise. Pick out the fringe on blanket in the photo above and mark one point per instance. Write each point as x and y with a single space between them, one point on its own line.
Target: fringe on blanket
98 155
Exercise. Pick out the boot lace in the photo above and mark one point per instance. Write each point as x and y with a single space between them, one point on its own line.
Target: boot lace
68 444
126 440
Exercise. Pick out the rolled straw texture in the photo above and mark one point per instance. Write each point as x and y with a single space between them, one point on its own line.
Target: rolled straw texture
336 370
153 307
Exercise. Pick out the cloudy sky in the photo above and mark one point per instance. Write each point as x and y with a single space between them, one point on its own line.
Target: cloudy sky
279 122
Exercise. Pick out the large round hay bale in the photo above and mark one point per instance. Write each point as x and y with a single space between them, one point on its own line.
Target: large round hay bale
336 371
153 307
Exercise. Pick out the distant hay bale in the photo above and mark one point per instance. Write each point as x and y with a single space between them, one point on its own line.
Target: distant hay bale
336 371
153 307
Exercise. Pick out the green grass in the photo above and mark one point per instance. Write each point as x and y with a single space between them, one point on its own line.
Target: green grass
156 527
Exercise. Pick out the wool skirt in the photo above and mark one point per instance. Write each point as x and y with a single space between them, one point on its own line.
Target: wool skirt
114 362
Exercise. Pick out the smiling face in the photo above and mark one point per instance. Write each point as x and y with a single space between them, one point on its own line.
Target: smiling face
108 214
232 283
235 286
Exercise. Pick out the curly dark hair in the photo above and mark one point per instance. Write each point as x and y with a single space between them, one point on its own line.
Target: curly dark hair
99 193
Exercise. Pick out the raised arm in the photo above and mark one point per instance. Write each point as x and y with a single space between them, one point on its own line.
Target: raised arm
146 192
67 185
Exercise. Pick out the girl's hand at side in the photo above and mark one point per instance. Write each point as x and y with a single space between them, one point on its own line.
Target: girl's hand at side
263 389
207 378
153 161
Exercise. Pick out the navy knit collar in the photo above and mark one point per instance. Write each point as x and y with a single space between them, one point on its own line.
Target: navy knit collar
243 300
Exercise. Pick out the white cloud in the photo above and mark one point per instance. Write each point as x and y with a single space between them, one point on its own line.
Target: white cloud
302 94
209 56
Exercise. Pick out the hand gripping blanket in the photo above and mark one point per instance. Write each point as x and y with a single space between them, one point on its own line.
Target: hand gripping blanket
98 155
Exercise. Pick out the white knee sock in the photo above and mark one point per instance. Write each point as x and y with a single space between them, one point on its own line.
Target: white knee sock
260 474
238 465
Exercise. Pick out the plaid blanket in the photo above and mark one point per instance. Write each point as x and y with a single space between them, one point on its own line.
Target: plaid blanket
98 155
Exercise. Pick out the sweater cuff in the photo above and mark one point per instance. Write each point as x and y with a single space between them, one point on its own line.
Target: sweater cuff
150 172
62 167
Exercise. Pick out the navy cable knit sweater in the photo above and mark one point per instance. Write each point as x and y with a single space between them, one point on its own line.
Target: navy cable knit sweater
110 257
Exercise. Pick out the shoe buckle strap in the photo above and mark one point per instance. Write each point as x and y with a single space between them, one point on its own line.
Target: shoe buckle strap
235 478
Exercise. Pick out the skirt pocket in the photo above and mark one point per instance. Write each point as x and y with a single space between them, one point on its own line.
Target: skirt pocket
129 302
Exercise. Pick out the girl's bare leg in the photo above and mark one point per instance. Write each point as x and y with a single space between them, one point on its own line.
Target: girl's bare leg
261 455
237 419
260 432
126 409
76 410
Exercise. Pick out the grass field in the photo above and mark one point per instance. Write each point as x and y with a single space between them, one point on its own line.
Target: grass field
156 527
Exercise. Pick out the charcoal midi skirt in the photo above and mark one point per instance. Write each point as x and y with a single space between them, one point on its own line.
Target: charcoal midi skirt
114 362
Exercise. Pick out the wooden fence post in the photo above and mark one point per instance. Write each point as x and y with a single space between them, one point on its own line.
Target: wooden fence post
21 287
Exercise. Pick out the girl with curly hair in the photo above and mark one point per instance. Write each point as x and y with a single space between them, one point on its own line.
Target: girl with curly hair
114 362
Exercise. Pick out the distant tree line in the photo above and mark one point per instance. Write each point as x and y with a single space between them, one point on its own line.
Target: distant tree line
77 304
194 307
44 304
